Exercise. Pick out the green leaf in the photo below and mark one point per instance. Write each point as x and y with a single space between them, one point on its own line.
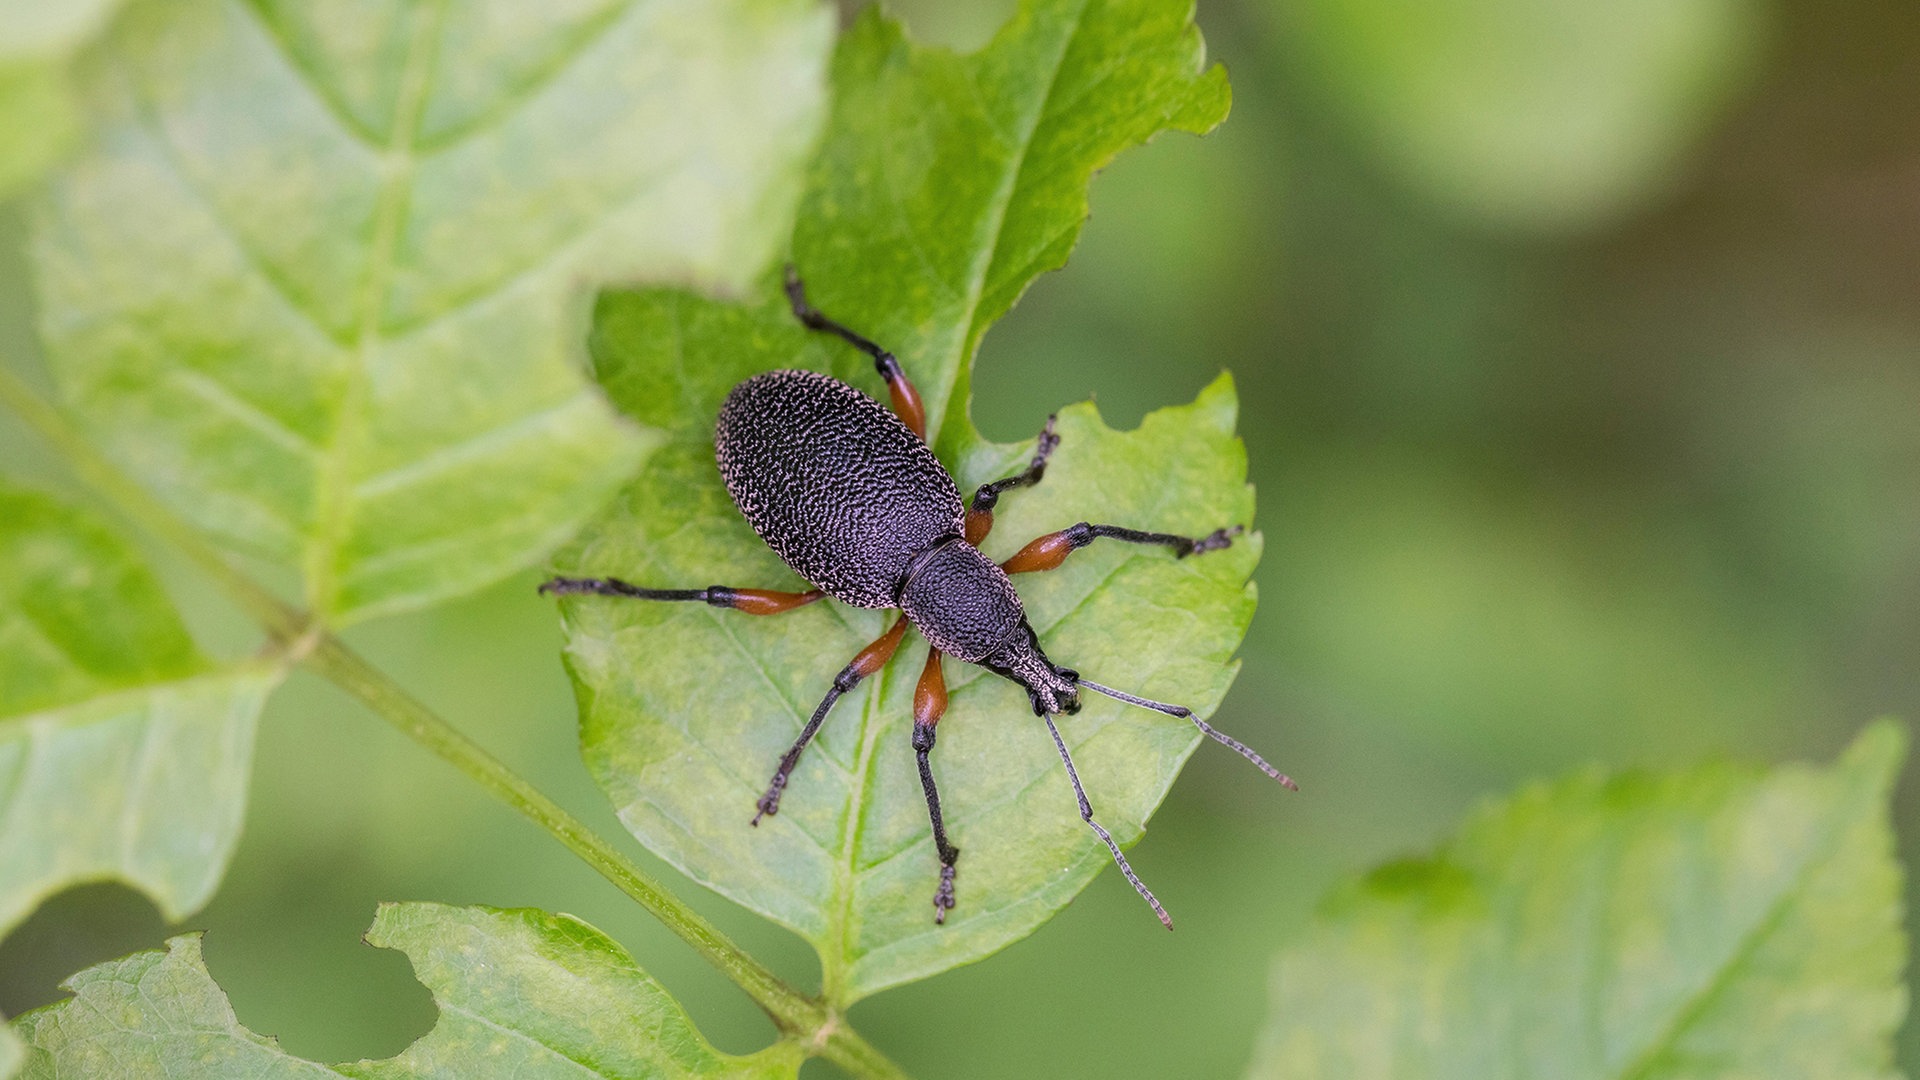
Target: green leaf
124 753
315 280
34 28
37 121
1537 115
521 993
38 116
1719 922
946 183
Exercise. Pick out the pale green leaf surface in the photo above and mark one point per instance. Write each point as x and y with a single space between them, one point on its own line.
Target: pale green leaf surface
316 279
38 116
37 121
1536 114
37 29
946 183
13 1053
1717 922
124 753
522 993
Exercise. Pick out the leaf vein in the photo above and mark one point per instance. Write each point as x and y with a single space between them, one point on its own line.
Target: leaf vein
277 283
448 1006
218 394
139 778
589 35
454 454
1696 1005
308 76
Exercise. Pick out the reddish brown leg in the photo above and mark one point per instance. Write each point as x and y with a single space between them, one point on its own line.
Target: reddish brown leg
869 660
980 512
929 704
906 400
751 601
1051 550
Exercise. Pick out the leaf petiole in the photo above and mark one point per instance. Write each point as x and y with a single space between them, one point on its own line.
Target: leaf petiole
804 1018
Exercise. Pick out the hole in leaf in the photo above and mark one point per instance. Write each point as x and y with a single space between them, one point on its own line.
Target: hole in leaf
306 977
75 929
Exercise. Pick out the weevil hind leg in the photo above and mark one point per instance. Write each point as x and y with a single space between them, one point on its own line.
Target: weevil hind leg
929 705
866 662
906 400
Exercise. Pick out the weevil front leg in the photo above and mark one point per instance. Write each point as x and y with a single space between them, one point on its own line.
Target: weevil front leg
929 705
906 400
866 662
751 601
987 496
1051 550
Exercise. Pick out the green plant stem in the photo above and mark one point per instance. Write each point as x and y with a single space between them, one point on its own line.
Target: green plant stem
802 1017
808 1021
282 621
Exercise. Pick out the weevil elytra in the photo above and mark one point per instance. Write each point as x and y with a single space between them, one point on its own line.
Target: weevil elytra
852 498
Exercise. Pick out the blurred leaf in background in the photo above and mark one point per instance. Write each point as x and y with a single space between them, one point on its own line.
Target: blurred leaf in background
124 751
1537 115
1714 922
320 279
39 118
377 228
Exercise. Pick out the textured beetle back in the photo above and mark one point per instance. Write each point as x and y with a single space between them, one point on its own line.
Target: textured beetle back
835 484
963 603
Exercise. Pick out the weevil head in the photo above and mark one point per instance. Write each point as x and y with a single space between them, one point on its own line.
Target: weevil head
1051 688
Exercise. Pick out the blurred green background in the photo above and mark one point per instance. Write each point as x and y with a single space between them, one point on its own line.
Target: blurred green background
1580 358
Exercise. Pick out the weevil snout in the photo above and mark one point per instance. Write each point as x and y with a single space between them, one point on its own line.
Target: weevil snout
1055 697
1051 688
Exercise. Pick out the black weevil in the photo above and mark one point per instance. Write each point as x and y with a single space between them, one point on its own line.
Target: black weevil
852 498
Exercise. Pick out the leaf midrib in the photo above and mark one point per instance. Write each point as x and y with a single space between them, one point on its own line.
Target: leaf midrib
335 485
836 959
1702 999
334 492
452 136
956 405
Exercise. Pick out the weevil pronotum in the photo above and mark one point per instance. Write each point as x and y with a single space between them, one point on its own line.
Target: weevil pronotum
853 499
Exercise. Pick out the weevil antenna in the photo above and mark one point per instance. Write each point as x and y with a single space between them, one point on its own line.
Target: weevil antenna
1220 737
1086 815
